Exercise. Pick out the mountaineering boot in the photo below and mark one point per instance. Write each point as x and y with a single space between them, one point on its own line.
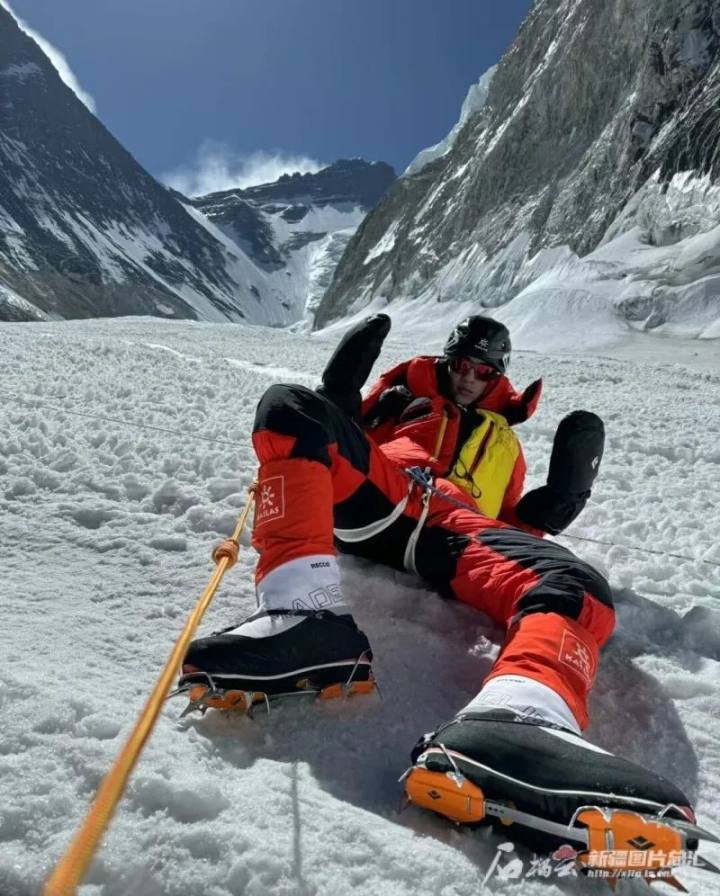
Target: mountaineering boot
280 652
551 787
302 639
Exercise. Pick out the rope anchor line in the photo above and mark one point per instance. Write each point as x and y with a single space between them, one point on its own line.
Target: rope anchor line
33 404
641 550
424 480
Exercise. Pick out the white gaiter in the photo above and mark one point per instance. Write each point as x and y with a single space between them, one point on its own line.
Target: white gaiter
525 696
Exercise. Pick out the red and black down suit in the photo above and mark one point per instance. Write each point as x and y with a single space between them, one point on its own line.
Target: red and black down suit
336 486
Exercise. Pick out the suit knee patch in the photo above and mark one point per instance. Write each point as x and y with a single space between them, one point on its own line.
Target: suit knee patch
561 594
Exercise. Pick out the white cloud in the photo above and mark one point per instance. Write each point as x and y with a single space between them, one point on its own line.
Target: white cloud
57 59
217 167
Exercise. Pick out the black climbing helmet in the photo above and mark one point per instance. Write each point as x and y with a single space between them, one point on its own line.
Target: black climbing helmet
483 340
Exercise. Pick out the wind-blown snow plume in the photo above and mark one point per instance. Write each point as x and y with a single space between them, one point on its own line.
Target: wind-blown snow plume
217 167
56 57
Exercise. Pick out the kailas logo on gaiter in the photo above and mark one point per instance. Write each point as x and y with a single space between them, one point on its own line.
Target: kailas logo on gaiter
271 500
574 653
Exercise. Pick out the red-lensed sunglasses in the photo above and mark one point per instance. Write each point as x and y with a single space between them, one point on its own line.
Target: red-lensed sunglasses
463 366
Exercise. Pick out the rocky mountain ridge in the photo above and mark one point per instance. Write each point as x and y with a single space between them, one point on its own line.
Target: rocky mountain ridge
85 231
601 119
300 224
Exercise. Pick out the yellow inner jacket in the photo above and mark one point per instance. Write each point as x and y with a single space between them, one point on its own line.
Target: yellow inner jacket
486 461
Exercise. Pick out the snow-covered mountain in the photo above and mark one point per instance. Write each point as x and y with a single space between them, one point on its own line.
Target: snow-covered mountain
85 231
584 175
300 225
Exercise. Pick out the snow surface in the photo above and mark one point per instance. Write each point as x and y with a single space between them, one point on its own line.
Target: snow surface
124 457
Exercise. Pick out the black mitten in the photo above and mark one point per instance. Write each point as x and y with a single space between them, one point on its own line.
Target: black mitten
574 463
351 362
577 451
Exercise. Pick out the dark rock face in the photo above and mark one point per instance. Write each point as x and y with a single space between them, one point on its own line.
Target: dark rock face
246 216
84 229
353 181
591 100
296 228
294 213
244 224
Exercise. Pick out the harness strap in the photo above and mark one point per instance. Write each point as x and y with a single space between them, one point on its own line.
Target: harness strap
419 476
422 479
363 533
409 558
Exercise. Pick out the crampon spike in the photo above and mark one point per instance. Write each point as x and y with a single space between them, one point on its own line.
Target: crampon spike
334 691
403 804
450 795
237 701
630 836
620 844
673 881
202 697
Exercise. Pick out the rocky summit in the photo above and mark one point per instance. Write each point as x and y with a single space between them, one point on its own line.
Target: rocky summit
300 224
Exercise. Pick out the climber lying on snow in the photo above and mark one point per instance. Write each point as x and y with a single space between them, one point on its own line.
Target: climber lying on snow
422 476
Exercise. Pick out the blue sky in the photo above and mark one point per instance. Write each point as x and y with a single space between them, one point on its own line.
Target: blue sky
230 85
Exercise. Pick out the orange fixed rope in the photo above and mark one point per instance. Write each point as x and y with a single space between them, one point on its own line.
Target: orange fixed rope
71 868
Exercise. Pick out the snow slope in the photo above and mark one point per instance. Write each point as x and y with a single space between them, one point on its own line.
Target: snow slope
124 456
656 273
